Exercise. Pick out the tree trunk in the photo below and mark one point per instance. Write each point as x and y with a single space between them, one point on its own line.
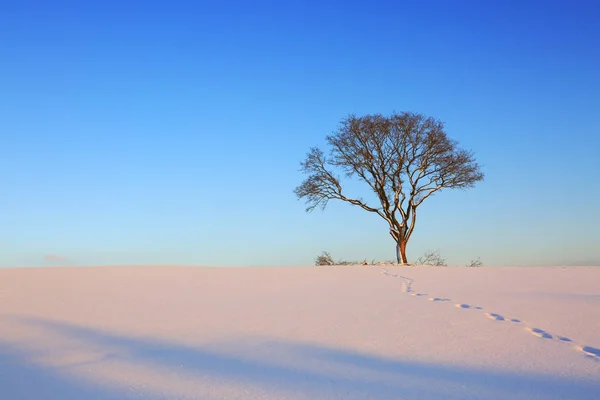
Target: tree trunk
401 252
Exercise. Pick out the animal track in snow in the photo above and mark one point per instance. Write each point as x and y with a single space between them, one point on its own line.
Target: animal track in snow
467 306
494 316
540 333
406 282
435 299
592 353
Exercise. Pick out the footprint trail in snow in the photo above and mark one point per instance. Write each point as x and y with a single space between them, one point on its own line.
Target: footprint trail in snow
589 352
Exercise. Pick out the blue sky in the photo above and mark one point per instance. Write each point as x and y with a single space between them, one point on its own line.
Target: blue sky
171 132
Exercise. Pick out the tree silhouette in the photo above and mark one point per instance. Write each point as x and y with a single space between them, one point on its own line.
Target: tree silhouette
404 159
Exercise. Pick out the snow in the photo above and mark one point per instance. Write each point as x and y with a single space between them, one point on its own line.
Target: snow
369 332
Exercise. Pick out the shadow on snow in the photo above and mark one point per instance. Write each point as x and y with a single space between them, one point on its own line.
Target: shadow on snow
292 368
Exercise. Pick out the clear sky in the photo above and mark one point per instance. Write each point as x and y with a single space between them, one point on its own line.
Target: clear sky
169 132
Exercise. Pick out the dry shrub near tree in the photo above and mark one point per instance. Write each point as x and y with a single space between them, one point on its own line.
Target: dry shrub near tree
404 159
324 259
475 263
432 258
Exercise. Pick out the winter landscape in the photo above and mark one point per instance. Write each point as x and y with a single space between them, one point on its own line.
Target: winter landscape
170 170
351 332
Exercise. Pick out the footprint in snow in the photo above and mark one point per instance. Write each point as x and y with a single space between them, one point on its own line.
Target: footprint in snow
468 307
418 294
438 299
540 333
496 317
590 351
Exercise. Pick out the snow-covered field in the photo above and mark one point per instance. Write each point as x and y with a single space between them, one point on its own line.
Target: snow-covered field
300 333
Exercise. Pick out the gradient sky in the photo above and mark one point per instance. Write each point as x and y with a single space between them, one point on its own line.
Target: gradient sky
166 132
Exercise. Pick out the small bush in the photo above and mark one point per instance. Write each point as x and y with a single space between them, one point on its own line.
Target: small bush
324 259
475 263
432 258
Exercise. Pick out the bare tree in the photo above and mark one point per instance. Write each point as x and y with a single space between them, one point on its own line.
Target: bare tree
404 159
